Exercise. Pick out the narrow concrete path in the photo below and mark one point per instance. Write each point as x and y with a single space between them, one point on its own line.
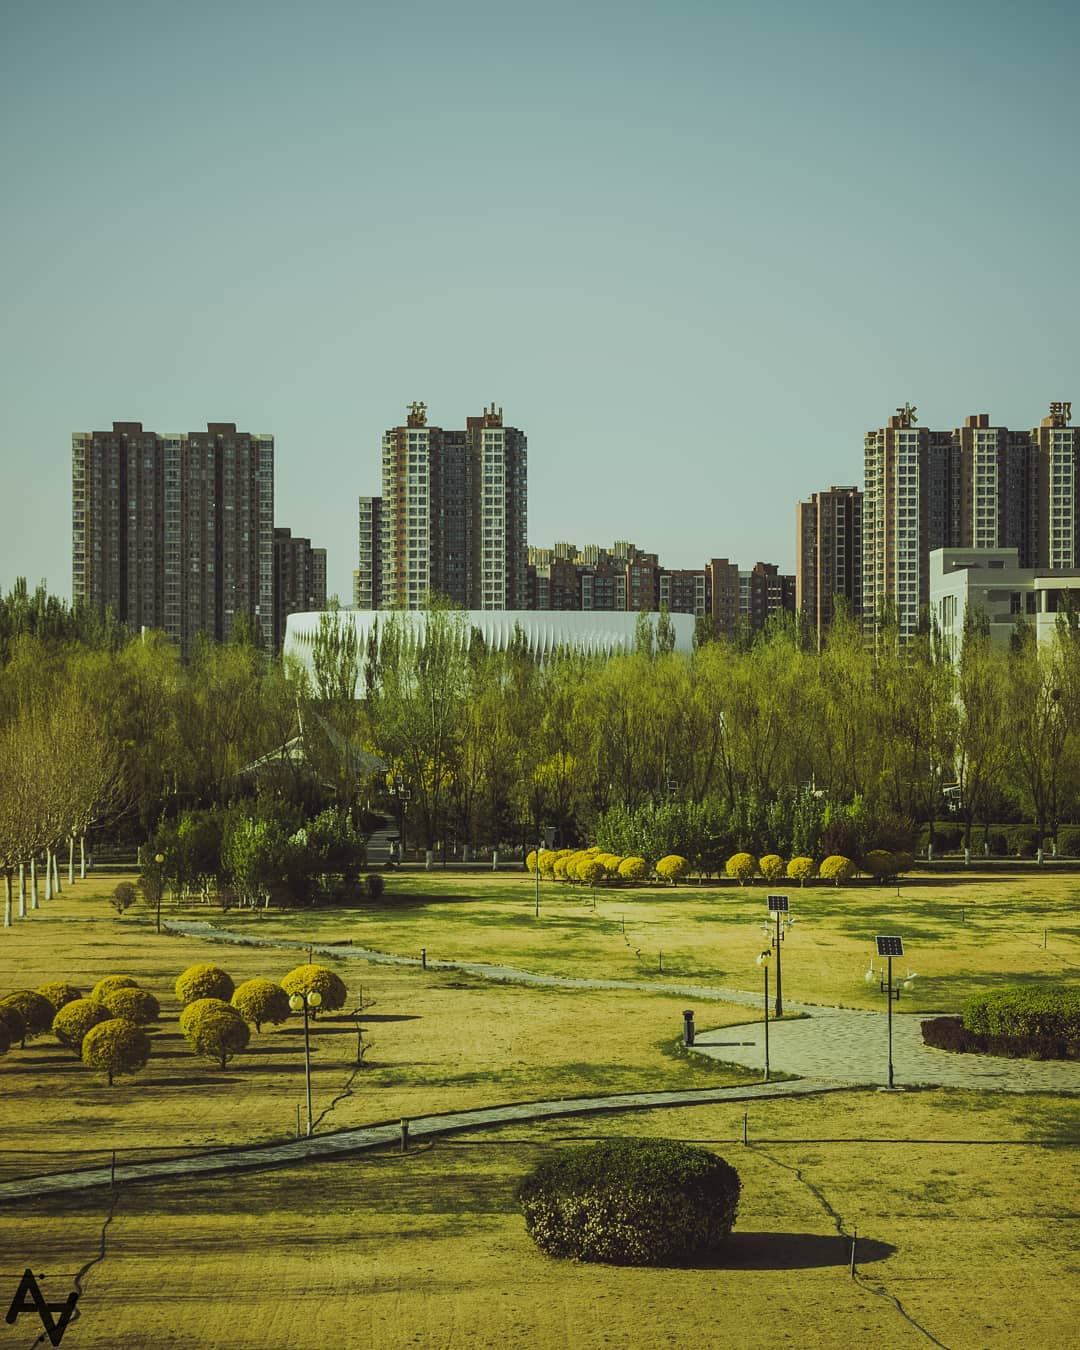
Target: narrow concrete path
344 1142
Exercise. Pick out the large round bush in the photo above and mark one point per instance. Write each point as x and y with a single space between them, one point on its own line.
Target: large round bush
801 869
672 868
112 982
836 868
34 1009
304 979
772 867
217 1030
75 1019
633 869
59 993
136 1005
741 867
117 1046
633 1202
204 981
258 1001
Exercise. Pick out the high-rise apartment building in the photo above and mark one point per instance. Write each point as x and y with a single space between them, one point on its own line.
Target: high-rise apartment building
299 579
453 513
367 579
978 486
175 532
828 556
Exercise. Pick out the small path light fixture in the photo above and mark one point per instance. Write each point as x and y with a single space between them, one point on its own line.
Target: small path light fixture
301 1003
888 947
779 906
159 883
763 962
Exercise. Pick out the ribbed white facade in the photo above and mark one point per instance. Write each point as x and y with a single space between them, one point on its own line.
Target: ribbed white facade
545 631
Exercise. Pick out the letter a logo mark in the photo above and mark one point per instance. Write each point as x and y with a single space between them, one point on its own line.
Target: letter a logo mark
29 1298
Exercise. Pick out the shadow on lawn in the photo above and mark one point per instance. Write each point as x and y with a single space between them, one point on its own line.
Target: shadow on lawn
795 1251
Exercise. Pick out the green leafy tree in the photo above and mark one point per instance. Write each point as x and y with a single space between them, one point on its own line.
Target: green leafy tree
134 1005
59 993
34 1009
111 982
215 1029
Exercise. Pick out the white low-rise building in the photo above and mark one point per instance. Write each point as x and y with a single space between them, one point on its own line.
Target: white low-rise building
991 581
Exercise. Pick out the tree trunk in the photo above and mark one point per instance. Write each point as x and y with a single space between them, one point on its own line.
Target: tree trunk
82 857
33 882
56 874
7 899
71 859
22 892
48 876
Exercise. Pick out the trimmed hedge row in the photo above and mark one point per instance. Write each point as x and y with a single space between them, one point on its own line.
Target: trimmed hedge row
949 1033
1017 1010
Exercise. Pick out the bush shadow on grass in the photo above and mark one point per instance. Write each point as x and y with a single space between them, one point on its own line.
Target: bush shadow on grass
793 1251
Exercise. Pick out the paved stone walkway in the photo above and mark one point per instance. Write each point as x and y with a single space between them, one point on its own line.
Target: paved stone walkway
344 1142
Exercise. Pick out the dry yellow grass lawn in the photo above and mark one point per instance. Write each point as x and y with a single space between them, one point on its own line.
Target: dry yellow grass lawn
974 1232
976 1238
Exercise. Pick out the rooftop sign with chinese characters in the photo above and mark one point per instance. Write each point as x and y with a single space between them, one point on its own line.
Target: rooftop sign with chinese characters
906 415
1060 414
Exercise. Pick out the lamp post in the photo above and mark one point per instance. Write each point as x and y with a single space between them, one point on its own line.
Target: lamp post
780 906
298 1002
159 882
763 962
888 947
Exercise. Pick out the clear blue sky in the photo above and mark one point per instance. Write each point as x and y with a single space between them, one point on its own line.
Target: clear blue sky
693 249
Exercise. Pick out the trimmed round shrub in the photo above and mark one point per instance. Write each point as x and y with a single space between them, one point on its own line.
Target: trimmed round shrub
634 1202
546 862
34 1009
59 992
124 896
1019 1010
836 868
117 1046
5 1040
612 862
591 872
113 982
12 1025
304 979
204 981
901 863
216 1030
75 1019
802 870
1068 841
1025 840
878 863
672 868
374 884
634 870
741 867
191 1014
258 1001
771 867
531 859
136 1005
559 869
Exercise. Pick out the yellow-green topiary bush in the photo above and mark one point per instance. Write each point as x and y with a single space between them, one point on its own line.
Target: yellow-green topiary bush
591 872
75 1019
802 870
878 863
772 867
741 867
258 1001
304 979
204 981
34 1010
59 992
113 982
215 1029
837 869
531 860
117 1046
634 870
135 1005
672 869
547 862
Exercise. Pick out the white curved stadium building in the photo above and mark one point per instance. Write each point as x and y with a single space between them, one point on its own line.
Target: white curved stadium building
595 632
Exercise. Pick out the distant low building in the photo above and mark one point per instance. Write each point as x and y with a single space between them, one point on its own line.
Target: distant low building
990 582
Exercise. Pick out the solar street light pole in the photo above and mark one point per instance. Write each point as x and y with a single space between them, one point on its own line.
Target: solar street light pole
889 978
888 947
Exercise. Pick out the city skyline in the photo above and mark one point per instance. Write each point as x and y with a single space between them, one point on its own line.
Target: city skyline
696 255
